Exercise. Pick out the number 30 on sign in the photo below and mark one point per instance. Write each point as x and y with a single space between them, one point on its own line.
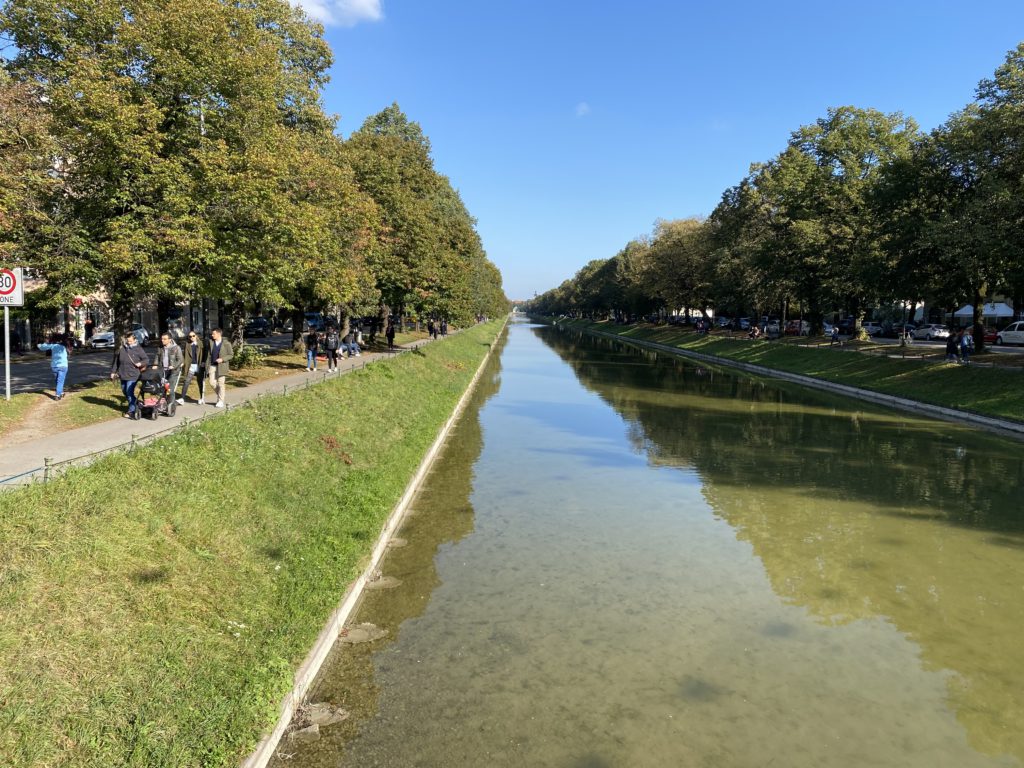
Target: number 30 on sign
12 288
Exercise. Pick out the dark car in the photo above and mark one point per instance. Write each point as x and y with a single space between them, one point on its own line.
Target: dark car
898 330
846 326
257 326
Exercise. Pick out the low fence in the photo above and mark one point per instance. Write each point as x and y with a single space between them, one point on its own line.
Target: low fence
52 469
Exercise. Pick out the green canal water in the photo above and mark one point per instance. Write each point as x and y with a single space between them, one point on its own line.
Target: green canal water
623 559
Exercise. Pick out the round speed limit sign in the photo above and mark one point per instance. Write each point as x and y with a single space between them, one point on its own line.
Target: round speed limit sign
12 293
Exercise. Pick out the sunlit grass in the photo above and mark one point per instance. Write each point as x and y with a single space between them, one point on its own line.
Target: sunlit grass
922 376
154 605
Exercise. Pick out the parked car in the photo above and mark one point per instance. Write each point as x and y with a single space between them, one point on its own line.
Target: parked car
897 330
798 328
1011 334
257 326
826 329
314 321
931 331
742 324
990 334
102 338
723 322
871 328
846 326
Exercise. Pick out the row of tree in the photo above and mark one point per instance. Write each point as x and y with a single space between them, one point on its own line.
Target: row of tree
179 149
860 210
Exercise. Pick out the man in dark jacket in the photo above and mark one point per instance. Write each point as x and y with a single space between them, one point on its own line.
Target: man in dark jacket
218 364
171 360
129 363
194 365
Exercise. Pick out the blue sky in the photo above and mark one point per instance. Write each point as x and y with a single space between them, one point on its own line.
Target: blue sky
569 127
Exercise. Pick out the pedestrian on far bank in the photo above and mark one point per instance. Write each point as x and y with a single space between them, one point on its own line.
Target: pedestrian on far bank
966 347
129 363
389 334
59 357
171 360
444 327
194 366
952 347
218 364
332 341
431 329
312 347
834 339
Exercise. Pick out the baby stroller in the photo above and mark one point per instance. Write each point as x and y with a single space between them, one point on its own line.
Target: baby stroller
155 396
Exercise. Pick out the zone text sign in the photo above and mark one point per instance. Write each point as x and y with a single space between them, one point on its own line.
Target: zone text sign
12 287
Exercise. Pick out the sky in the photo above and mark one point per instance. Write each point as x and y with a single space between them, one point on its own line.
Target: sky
570 127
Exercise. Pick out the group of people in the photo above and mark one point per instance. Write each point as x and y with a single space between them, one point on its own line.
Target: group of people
199 360
333 345
959 346
436 328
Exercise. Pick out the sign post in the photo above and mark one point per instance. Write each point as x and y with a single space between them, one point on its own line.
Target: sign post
12 294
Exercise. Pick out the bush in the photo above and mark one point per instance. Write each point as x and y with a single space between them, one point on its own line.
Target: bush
249 356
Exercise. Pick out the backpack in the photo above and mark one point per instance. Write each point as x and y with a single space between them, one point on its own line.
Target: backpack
332 340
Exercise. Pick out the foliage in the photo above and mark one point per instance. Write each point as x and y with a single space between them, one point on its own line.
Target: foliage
859 210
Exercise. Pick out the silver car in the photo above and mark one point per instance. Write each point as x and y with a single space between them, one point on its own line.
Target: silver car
1011 334
930 331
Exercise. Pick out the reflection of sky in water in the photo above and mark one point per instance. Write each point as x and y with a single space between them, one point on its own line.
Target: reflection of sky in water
695 606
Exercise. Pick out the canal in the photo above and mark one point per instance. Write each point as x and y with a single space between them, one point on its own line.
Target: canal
626 559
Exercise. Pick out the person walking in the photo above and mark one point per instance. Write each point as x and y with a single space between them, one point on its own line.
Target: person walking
312 347
194 367
331 343
389 334
834 338
952 347
129 363
59 354
218 364
431 330
171 360
444 328
966 346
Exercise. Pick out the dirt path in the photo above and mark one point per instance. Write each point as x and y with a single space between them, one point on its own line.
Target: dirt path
39 421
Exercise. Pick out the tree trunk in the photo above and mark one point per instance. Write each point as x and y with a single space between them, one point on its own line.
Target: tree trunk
298 318
163 310
978 322
237 321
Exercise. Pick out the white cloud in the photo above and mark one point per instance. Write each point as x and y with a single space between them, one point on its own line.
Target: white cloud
582 109
342 13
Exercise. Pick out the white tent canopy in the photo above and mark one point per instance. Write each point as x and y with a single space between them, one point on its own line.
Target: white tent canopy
996 309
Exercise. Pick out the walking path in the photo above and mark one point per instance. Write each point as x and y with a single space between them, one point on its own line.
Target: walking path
31 460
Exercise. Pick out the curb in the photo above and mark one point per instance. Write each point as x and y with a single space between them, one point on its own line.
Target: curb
1006 428
310 667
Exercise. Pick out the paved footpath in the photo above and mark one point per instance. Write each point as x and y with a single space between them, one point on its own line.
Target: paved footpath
26 462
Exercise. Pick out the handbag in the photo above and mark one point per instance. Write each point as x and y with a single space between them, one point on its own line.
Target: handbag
192 369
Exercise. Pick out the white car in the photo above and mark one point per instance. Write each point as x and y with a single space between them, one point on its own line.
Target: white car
102 339
930 331
871 328
1011 334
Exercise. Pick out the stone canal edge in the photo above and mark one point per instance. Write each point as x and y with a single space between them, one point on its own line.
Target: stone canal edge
1002 426
310 668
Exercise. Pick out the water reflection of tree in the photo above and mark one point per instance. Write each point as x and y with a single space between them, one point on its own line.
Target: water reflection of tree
854 511
441 513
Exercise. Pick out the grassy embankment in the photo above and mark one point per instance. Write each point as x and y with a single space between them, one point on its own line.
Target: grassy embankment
95 401
154 605
995 392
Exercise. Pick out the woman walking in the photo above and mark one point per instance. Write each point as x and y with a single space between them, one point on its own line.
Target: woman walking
312 347
129 363
59 354
193 366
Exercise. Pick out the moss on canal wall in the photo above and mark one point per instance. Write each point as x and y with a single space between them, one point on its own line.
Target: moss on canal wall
989 391
154 605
